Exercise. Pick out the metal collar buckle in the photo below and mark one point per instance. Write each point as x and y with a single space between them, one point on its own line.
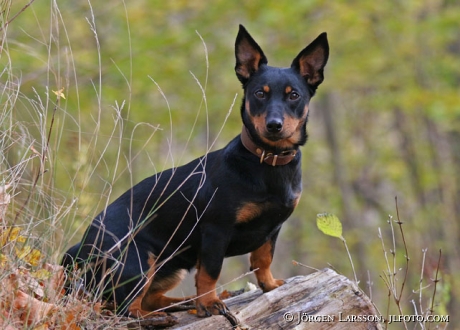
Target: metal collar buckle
287 153
270 158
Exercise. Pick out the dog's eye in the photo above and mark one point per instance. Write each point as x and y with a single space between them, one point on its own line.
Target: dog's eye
259 94
294 96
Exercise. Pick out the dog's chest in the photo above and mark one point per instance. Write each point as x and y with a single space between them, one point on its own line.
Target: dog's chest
269 196
274 209
255 222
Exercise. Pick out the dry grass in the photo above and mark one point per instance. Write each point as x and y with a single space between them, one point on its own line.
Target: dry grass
31 209
36 219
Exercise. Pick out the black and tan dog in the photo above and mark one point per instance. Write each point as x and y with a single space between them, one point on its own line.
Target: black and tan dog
229 202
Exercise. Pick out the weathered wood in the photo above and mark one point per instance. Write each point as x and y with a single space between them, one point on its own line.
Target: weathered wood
323 300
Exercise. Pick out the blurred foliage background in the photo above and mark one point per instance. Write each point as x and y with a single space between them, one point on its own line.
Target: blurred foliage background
385 122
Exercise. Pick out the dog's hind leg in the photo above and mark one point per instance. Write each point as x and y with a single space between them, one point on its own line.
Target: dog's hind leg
159 281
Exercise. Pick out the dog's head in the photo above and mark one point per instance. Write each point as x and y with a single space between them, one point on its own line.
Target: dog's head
275 106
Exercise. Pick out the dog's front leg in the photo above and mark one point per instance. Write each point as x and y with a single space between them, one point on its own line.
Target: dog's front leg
261 260
214 243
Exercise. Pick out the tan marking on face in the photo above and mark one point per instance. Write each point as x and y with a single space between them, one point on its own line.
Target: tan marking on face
288 89
266 89
295 138
305 112
259 124
290 134
281 144
249 211
292 131
290 124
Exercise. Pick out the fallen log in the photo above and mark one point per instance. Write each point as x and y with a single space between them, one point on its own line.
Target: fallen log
323 300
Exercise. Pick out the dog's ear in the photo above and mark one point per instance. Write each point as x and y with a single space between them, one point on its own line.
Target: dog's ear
249 56
311 61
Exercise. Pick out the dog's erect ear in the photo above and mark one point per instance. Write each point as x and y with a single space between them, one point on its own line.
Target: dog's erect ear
311 61
249 56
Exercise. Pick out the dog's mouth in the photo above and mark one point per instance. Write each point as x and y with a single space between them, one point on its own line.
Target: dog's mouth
281 141
278 136
285 138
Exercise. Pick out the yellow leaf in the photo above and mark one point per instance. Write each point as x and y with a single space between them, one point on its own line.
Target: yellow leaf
29 255
9 234
41 274
329 224
21 239
60 93
21 253
34 257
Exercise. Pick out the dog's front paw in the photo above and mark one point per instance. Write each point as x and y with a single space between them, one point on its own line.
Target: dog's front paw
208 307
270 285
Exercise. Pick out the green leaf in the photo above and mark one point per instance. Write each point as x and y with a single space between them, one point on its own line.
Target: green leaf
329 224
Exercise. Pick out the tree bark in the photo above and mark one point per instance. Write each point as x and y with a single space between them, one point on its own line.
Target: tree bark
322 300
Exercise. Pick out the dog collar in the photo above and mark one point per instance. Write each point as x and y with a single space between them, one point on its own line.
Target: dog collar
265 156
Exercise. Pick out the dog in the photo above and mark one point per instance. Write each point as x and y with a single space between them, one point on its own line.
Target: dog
230 202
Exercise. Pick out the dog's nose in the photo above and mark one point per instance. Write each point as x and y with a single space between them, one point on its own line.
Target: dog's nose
274 125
